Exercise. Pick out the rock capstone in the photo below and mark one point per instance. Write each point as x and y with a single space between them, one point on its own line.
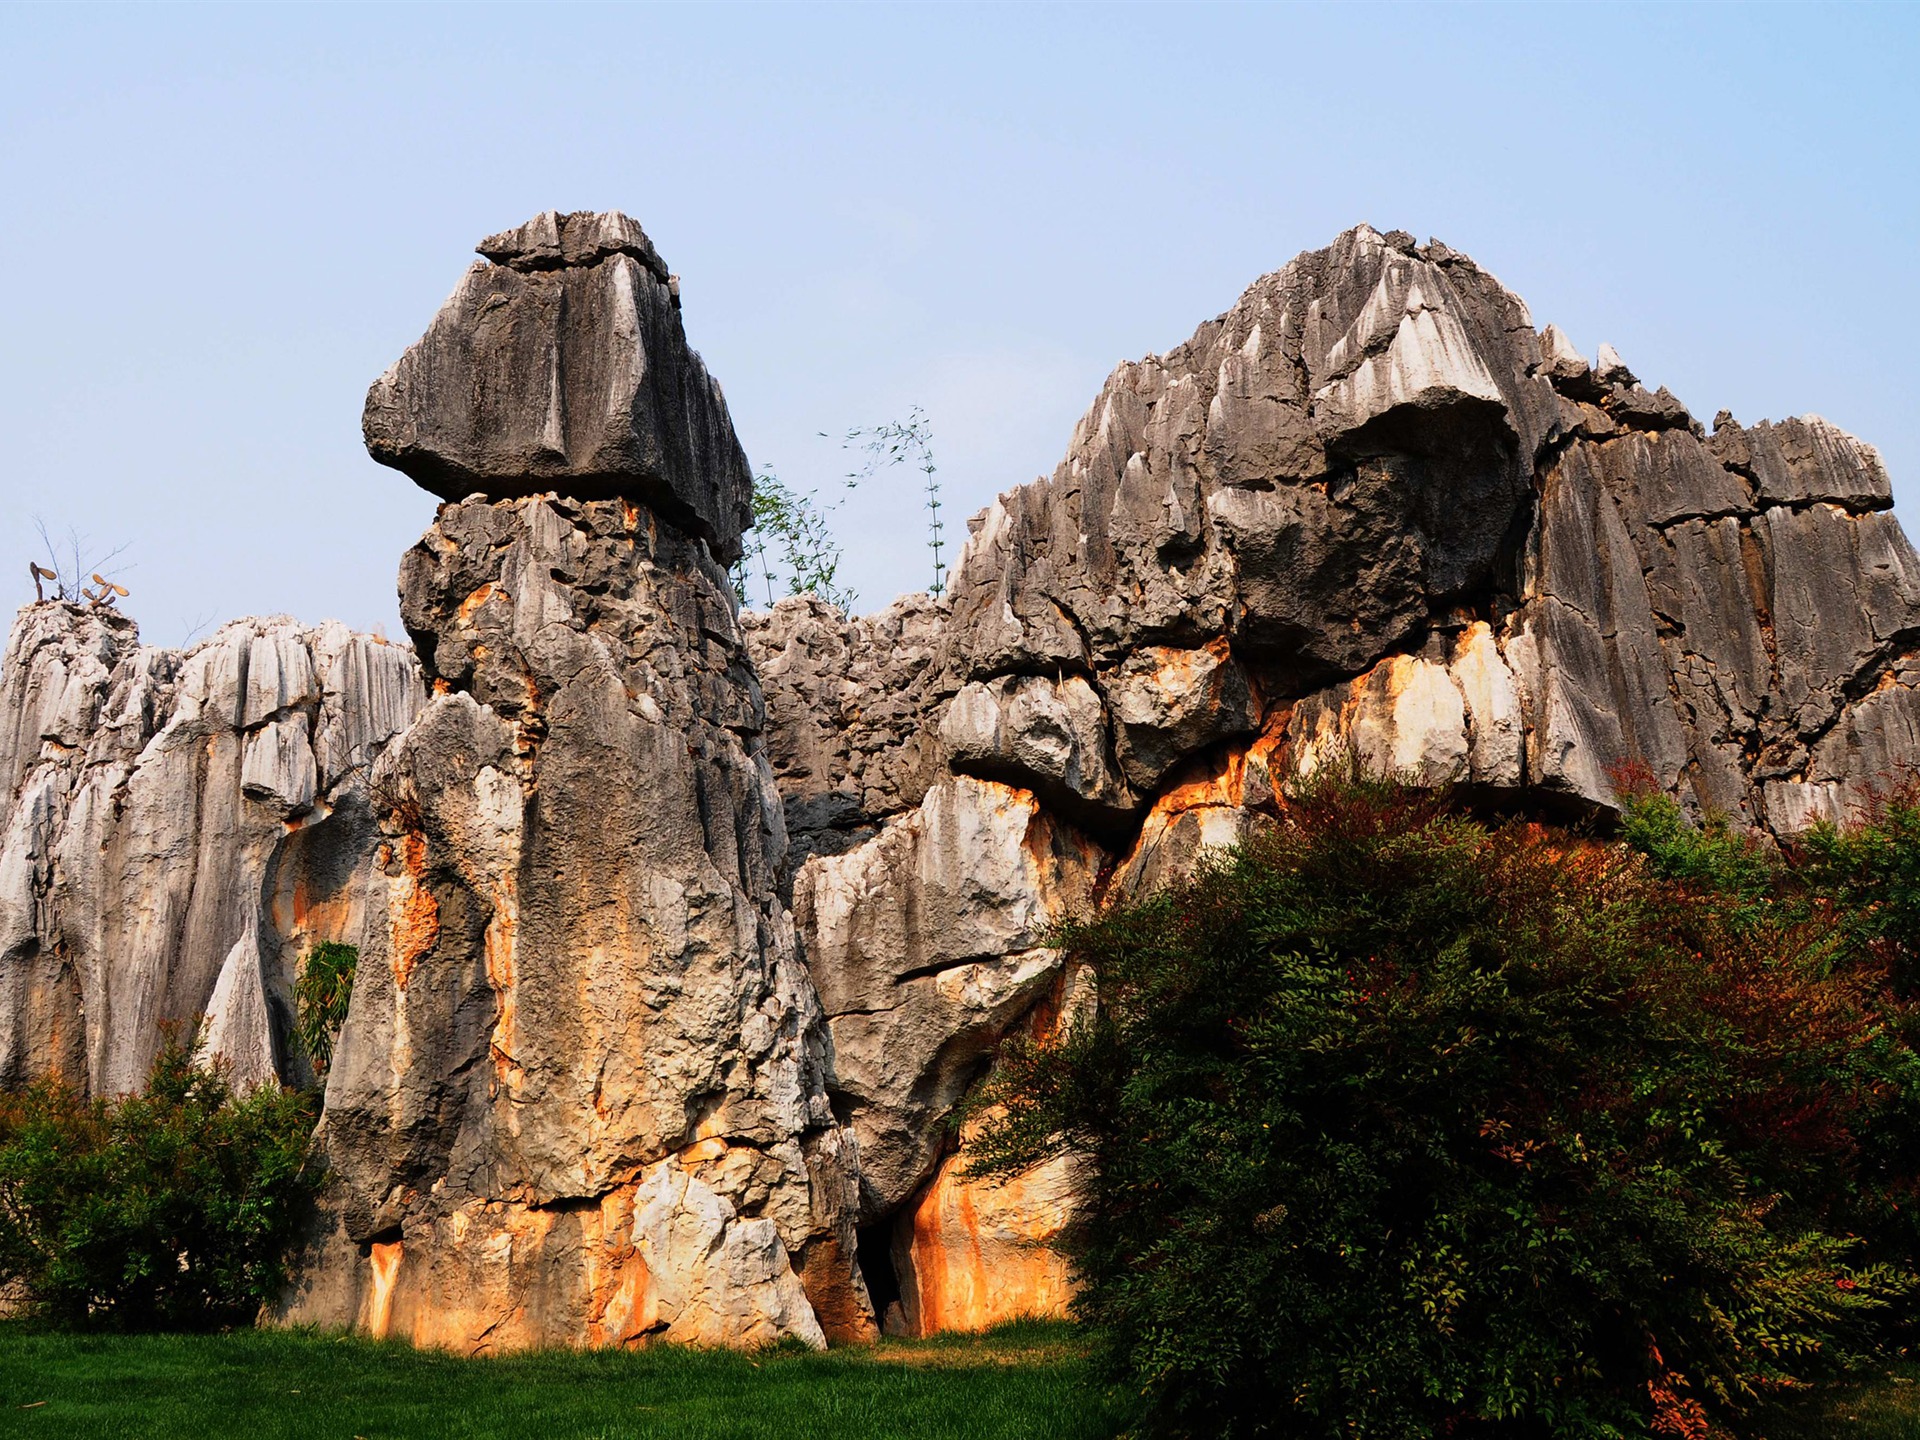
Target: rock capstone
560 365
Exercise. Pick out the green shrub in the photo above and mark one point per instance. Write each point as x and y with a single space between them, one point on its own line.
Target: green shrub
1403 1126
321 996
171 1209
1848 898
1869 874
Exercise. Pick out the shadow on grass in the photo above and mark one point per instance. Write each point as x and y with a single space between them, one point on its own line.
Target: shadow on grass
1887 1408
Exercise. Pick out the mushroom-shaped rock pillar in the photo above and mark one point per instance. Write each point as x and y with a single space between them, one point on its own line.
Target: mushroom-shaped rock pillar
580 1098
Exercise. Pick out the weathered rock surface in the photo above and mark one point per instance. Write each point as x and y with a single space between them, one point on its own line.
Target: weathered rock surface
562 365
581 1094
668 993
179 828
1367 512
583 1042
851 746
927 944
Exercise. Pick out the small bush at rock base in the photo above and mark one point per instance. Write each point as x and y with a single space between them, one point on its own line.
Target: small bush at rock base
173 1209
1404 1125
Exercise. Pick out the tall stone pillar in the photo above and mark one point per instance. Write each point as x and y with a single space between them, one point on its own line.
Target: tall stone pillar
580 1098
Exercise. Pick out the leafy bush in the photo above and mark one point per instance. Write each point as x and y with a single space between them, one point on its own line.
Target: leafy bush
171 1209
1403 1125
803 543
321 996
1869 874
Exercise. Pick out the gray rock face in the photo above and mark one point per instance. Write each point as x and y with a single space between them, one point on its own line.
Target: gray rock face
1368 512
927 943
581 1097
849 700
177 829
581 1094
562 366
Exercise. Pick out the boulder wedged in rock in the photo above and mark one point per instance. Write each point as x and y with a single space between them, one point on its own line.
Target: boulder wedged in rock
180 827
560 365
584 1042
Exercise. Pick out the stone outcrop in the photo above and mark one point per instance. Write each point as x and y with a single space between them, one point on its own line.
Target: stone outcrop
581 1096
1369 512
684 933
181 827
581 1092
559 363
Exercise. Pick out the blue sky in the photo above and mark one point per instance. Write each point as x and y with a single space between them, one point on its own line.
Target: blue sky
222 223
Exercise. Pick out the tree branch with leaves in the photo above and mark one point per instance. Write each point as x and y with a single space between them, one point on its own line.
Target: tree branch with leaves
791 534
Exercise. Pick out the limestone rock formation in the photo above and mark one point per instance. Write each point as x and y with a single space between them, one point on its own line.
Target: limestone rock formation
581 1089
671 983
562 365
1369 512
179 828
581 1096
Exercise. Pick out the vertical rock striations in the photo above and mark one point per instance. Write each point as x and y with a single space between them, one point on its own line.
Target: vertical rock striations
669 992
581 1096
179 828
1367 512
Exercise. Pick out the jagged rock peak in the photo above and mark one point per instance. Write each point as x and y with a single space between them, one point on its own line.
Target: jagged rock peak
563 367
551 240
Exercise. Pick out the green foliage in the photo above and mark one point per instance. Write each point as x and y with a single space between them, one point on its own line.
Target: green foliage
1869 872
1712 855
175 1208
793 545
321 996
906 442
803 545
1402 1125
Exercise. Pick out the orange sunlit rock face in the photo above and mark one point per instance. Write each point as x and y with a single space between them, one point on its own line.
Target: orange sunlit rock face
975 1252
414 913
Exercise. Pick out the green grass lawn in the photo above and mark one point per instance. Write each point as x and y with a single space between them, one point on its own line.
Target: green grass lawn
1883 1409
1026 1379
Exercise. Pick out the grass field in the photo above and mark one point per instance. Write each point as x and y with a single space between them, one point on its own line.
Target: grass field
1021 1380
1887 1409
1018 1381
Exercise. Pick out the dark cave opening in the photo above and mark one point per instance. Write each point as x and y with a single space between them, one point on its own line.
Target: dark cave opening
874 1253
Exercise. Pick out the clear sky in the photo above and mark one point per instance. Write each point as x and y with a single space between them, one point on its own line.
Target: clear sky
221 224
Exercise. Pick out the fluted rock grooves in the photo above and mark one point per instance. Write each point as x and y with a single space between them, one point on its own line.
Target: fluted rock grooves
581 1096
667 992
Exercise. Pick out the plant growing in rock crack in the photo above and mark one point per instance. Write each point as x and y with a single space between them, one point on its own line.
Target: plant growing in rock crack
71 561
321 996
802 548
905 442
